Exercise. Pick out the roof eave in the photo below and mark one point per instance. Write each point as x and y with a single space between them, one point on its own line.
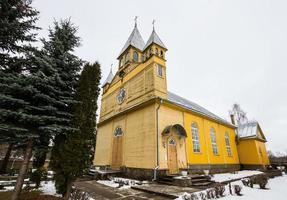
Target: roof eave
200 113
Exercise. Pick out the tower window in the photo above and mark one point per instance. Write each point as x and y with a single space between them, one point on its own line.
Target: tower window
161 53
118 131
136 56
227 143
195 138
127 57
160 70
213 141
156 51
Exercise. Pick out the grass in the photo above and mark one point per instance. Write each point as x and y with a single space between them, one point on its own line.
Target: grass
28 195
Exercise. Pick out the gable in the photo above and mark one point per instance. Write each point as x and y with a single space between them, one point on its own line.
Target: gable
260 134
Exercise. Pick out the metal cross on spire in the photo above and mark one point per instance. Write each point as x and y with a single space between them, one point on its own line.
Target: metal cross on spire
111 69
153 22
136 18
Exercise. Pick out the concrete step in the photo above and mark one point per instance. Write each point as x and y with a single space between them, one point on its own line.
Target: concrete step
199 180
202 184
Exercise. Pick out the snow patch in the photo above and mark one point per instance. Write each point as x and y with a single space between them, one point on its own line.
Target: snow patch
232 176
48 187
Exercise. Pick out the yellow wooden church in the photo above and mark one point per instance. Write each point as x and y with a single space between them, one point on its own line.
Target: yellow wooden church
145 130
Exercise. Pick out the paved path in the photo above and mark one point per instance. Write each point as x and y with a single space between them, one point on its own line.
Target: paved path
102 192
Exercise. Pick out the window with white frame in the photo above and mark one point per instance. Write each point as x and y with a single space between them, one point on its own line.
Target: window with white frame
160 70
213 141
227 143
195 137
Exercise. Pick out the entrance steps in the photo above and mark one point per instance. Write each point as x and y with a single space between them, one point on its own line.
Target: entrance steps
186 181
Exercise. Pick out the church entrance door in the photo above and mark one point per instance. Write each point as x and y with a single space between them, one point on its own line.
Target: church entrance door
172 156
117 153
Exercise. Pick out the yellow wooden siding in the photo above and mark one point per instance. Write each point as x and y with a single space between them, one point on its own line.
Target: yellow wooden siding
206 155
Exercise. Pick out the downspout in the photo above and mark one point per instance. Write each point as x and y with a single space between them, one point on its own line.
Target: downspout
157 141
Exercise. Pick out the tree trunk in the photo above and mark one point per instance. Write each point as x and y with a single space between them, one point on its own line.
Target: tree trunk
6 159
68 192
23 170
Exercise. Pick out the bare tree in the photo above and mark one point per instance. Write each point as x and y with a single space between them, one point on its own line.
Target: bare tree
239 115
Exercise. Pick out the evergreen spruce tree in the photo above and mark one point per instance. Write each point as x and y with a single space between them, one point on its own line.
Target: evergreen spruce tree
77 151
17 23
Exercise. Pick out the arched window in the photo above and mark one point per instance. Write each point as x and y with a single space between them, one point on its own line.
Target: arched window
195 137
156 51
127 57
213 141
227 143
136 56
161 53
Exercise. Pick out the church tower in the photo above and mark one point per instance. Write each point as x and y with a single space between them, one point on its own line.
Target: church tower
141 75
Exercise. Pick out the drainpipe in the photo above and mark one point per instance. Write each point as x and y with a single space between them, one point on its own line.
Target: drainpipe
157 141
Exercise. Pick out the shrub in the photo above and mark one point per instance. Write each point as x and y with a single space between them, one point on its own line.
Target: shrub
219 191
261 180
237 190
210 194
202 196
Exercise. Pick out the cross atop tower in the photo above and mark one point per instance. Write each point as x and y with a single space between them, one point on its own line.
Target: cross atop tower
136 18
153 22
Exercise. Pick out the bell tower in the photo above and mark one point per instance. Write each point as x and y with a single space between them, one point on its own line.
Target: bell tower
141 75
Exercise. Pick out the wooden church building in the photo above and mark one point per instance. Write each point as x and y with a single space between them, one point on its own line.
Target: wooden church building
146 130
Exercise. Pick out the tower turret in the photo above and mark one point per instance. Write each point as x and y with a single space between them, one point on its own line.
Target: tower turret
132 50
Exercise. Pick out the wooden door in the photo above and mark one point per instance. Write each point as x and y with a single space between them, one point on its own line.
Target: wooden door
117 153
172 157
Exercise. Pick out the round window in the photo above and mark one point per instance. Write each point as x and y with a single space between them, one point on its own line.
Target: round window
121 96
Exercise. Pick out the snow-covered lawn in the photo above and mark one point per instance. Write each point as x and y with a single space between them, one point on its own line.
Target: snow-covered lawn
115 182
232 176
276 189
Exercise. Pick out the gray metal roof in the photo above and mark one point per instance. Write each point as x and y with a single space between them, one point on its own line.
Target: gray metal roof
109 78
248 129
154 38
194 107
135 39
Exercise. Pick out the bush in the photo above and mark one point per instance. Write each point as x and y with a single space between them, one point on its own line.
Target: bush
261 180
38 175
210 194
237 190
219 191
202 196
78 195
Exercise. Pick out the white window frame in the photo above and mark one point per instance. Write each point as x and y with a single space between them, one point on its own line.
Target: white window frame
213 141
227 143
195 137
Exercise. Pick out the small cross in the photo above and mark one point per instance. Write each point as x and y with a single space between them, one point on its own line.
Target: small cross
136 18
153 22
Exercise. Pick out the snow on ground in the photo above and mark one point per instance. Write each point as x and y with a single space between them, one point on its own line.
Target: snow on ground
48 187
276 189
231 176
115 182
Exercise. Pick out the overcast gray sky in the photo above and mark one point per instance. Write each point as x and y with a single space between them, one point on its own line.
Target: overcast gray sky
219 51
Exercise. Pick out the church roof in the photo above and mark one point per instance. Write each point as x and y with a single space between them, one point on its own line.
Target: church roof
194 107
109 78
154 38
250 129
135 39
